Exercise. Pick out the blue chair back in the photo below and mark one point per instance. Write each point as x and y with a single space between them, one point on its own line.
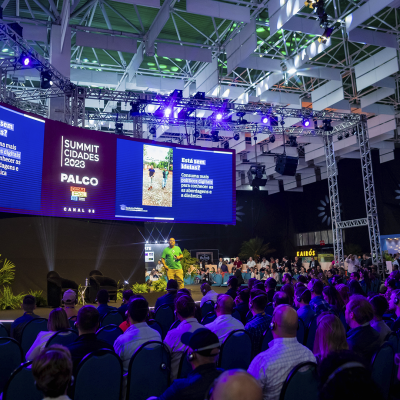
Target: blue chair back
165 317
301 331
109 333
206 308
99 376
267 337
225 280
301 383
236 351
382 368
210 317
175 324
21 385
149 371
64 337
3 332
217 280
312 330
11 357
155 325
112 318
30 332
184 366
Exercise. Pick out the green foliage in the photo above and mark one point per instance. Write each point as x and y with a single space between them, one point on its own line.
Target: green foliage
119 291
160 285
387 256
40 300
7 273
8 301
254 248
138 288
187 261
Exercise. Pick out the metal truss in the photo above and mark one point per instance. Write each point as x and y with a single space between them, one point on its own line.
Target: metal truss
334 198
370 198
74 107
137 127
353 223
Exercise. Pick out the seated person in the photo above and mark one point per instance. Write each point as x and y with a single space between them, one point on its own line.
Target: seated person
224 324
52 371
57 321
394 306
232 286
224 267
302 300
315 286
126 295
137 334
208 294
280 298
242 304
203 351
169 298
185 311
70 301
102 300
28 305
270 285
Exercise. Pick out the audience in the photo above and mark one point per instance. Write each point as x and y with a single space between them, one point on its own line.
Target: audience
52 371
70 301
260 321
87 323
126 295
332 296
102 300
270 285
208 294
394 305
137 334
380 306
203 351
232 287
355 288
242 304
343 291
272 366
280 298
169 297
57 321
289 290
330 336
224 324
361 338
302 302
236 385
185 311
315 286
28 305
238 276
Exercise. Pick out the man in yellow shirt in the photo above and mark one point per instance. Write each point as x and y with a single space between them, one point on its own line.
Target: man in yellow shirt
170 258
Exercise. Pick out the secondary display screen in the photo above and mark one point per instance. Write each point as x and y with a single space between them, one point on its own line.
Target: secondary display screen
50 168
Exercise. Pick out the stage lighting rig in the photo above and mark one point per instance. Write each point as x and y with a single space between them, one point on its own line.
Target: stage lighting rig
200 96
327 125
214 136
257 176
45 80
241 120
306 122
236 136
292 141
226 145
119 128
25 60
135 109
264 119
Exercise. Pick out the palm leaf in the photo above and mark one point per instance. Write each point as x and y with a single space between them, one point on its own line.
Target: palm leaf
255 248
7 273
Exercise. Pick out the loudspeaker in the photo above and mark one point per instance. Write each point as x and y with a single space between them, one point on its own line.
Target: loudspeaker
286 165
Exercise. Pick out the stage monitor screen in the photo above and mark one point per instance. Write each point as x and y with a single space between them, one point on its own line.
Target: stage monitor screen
50 168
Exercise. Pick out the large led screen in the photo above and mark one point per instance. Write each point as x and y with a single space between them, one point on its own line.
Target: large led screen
50 168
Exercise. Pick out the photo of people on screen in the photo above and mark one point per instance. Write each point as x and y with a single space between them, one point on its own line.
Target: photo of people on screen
157 176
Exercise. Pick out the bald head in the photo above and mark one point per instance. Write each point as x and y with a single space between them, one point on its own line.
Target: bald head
225 305
286 322
205 288
236 385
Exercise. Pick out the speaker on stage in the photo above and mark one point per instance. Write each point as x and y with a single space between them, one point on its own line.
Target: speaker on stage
286 165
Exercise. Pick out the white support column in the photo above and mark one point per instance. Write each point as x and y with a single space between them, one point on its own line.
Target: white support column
61 60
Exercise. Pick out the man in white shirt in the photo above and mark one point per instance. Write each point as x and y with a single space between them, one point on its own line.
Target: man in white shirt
251 263
221 261
185 310
352 263
137 334
207 293
264 263
272 366
224 324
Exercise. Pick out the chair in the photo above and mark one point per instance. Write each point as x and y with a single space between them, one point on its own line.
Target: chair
217 280
21 385
184 366
11 352
98 282
236 351
64 337
175 324
301 383
225 280
210 317
312 330
30 332
382 368
155 325
165 317
112 318
149 371
3 332
99 376
267 337
56 286
109 333
301 331
206 308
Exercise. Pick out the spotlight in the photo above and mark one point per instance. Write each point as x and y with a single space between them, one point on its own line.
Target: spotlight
147 241
272 139
165 241
292 71
264 119
214 136
218 117
119 128
236 136
167 112
292 141
45 80
340 137
25 60
152 130
196 134
347 134
226 145
156 241
306 122
327 125
126 282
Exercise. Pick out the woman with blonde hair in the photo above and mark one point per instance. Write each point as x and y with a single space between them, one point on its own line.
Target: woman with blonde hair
57 321
330 336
